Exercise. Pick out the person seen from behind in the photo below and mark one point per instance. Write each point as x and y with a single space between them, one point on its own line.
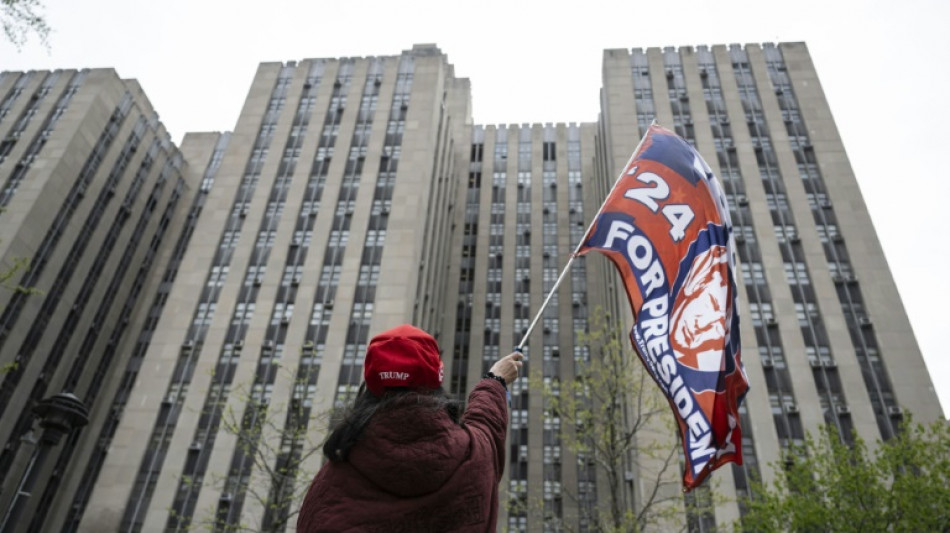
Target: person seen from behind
405 458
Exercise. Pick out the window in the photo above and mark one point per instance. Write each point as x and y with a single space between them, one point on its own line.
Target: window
827 232
761 313
243 313
786 233
282 314
805 312
796 273
752 273
338 238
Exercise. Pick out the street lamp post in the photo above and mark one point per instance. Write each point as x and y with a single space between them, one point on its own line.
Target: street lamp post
58 416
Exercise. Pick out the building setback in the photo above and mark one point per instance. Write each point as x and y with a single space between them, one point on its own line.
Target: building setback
355 194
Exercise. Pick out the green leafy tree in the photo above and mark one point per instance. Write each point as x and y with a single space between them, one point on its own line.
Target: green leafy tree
19 18
902 486
612 414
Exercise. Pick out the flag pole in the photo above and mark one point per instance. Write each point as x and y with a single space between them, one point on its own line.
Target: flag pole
580 243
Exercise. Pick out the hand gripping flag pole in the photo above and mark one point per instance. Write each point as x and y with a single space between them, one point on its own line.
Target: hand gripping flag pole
580 244
665 225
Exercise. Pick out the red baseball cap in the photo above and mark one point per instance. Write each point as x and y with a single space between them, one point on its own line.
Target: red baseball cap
404 356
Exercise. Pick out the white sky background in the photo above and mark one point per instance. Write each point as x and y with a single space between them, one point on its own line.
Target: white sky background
883 66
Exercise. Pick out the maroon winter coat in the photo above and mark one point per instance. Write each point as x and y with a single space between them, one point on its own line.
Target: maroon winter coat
414 470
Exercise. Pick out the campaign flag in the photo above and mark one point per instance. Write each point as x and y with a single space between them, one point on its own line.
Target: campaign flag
666 227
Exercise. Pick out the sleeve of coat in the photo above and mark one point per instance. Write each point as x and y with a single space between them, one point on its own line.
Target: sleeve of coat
487 418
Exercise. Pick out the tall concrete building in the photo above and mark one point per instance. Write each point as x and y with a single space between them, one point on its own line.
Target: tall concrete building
330 216
355 194
91 188
825 337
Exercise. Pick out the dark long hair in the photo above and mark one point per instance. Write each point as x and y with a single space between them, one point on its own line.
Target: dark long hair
347 431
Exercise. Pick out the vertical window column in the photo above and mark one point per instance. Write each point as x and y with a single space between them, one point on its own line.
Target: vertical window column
757 290
812 327
463 316
550 349
887 412
518 477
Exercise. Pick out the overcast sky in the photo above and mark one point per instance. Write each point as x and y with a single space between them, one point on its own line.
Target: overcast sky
883 66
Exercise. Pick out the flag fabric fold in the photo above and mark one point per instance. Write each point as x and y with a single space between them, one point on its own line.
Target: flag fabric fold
666 227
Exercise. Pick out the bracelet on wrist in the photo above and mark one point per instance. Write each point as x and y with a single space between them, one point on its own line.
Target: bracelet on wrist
500 379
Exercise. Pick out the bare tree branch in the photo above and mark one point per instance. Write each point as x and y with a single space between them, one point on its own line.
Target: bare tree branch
20 18
274 443
614 409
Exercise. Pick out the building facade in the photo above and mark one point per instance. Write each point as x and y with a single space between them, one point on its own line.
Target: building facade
355 194
825 338
329 217
92 187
